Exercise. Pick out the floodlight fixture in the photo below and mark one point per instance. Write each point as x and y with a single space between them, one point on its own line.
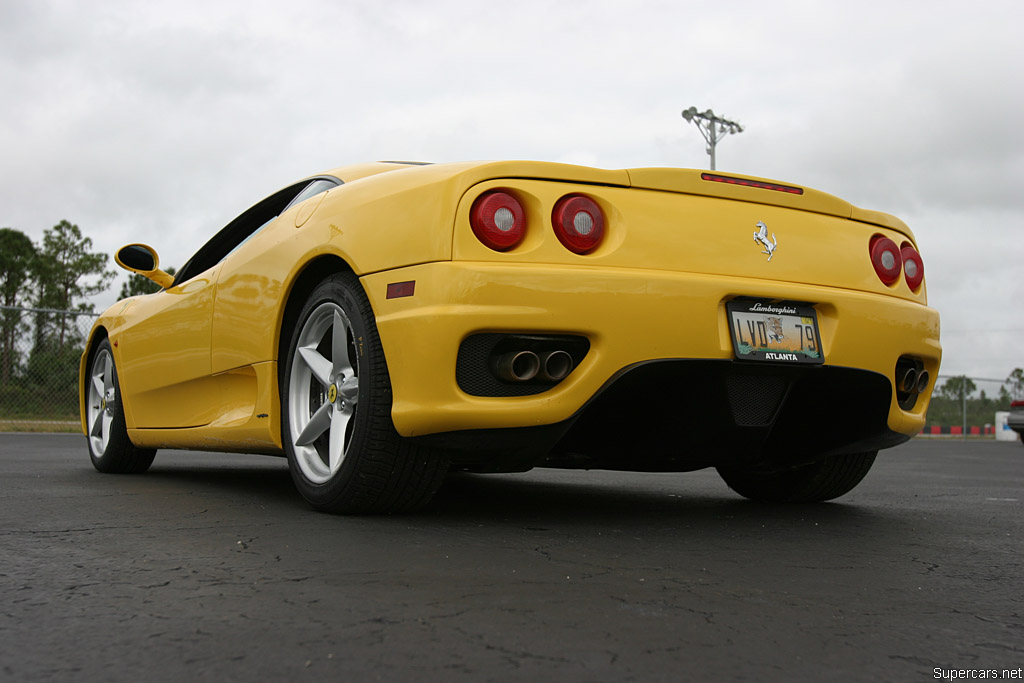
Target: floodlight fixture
712 127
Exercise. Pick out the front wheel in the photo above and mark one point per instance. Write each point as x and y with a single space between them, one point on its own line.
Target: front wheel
110 449
343 451
819 481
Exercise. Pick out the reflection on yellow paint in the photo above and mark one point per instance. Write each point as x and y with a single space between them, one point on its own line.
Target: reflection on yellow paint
199 362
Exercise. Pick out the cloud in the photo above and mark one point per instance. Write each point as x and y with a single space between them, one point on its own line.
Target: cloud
159 122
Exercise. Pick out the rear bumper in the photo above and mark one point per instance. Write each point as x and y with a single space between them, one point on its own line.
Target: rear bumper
631 317
687 415
682 415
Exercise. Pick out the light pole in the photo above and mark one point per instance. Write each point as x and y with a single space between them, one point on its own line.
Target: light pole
712 127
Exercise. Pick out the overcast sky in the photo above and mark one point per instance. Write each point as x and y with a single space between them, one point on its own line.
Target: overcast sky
160 121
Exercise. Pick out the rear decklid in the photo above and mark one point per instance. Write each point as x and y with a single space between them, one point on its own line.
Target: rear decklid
699 222
750 189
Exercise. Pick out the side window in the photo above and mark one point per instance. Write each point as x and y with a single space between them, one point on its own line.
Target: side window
235 233
313 189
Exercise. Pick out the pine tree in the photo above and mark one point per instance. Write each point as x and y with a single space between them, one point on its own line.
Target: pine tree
1015 382
139 284
63 268
17 255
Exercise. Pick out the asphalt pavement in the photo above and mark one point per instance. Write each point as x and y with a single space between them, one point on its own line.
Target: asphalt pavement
210 567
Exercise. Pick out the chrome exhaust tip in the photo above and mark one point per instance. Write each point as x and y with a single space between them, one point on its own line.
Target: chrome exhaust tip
922 381
908 382
556 365
518 366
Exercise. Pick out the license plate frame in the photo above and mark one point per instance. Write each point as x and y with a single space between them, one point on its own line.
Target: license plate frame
769 332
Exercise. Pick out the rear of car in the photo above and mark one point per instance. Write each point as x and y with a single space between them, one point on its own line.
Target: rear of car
659 319
385 322
1015 420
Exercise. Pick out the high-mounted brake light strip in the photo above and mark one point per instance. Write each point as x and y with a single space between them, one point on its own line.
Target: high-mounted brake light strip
751 183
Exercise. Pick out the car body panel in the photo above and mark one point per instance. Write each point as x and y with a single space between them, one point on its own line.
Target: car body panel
630 316
248 420
685 181
1015 420
198 362
162 351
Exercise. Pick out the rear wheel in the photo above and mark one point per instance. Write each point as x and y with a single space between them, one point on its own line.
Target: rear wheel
819 481
343 451
110 449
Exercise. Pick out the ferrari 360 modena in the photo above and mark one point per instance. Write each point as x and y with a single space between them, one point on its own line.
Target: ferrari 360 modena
384 324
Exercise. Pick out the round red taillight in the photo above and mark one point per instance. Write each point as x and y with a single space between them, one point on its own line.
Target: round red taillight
578 223
913 266
498 220
885 257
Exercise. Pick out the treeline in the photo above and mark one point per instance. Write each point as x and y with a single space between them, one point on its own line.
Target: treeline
39 352
950 400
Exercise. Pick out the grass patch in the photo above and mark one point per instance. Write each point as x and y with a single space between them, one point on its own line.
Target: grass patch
42 426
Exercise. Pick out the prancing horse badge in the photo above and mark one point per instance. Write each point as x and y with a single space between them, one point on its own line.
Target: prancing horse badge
761 237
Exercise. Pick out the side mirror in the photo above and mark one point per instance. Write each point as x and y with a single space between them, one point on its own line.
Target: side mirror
143 259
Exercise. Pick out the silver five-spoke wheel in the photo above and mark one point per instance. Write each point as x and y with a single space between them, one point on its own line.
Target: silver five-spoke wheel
101 401
344 452
109 446
323 392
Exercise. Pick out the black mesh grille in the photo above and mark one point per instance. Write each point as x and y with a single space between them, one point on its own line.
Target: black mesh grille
754 399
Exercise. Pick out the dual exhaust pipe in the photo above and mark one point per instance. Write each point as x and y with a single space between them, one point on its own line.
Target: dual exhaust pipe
524 366
913 381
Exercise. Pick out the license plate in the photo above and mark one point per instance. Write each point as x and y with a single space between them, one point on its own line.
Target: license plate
774 333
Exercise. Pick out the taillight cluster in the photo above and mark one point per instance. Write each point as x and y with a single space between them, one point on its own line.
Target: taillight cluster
889 261
913 266
499 221
578 223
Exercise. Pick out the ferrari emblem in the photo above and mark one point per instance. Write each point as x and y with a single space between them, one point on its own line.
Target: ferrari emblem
332 394
768 245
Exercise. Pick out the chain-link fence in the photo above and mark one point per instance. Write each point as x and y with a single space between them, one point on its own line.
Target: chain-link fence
963 405
39 353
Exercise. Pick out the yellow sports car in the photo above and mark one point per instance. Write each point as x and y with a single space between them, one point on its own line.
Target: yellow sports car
383 324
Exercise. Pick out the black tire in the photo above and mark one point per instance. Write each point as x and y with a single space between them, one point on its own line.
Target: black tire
819 481
343 451
110 449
